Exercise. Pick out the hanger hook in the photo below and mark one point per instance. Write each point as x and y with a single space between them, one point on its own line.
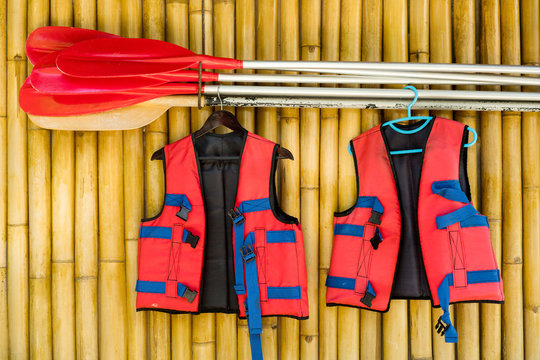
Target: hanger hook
410 87
219 97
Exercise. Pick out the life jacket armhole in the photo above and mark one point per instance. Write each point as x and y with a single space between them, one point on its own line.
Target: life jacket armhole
278 212
350 210
164 193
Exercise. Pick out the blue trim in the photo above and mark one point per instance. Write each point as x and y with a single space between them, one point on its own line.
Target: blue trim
177 200
409 151
280 236
283 292
443 292
449 189
340 282
370 290
238 265
369 202
157 287
349 230
475 220
158 232
254 205
456 216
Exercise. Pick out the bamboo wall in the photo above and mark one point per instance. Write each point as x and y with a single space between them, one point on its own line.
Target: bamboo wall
70 202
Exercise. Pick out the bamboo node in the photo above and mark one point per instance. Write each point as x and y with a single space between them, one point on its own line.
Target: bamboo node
308 338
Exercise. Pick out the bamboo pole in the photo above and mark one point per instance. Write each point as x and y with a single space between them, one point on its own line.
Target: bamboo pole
530 27
63 241
155 138
86 221
112 267
226 342
133 202
178 33
39 221
17 185
394 322
349 127
290 170
467 315
309 182
420 310
512 265
491 167
245 49
328 184
3 186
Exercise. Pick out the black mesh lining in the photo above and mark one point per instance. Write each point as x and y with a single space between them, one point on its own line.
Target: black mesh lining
219 180
410 279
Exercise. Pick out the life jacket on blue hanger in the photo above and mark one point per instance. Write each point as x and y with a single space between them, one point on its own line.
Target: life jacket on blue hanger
221 243
413 232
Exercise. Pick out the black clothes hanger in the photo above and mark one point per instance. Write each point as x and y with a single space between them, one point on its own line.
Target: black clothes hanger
227 119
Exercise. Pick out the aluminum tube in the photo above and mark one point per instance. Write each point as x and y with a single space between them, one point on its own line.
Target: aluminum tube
345 79
354 65
290 91
242 101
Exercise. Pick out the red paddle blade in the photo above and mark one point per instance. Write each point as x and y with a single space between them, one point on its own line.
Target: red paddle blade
130 57
43 104
48 39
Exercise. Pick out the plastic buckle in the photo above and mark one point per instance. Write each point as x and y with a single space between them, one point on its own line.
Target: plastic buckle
367 299
236 216
376 240
441 327
189 295
375 217
183 213
192 239
247 253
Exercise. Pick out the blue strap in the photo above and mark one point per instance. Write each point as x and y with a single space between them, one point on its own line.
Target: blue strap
253 301
370 290
456 216
157 287
349 230
369 202
340 282
177 200
254 205
280 236
158 232
475 220
283 292
449 189
238 266
473 277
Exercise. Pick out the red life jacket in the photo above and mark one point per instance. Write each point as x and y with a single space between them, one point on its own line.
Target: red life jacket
221 237
413 232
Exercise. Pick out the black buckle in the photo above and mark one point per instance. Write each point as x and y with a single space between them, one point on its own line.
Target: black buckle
375 217
189 295
183 213
376 240
441 327
192 239
247 253
236 216
367 299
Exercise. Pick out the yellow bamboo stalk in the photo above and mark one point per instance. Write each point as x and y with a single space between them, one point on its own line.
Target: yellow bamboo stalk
309 182
17 185
467 315
419 310
530 27
328 184
349 127
491 163
155 138
134 203
512 265
178 33
63 242
290 170
112 271
395 48
39 221
245 50
3 186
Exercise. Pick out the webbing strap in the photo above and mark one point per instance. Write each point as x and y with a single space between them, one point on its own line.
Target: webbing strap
449 189
349 230
253 301
473 277
158 287
238 266
458 215
370 202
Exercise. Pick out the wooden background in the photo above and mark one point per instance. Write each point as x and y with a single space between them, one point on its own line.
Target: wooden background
71 201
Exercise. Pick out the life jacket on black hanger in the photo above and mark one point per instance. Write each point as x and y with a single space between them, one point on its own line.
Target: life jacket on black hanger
413 232
221 243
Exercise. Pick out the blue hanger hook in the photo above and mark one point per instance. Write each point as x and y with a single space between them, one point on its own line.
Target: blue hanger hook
410 87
